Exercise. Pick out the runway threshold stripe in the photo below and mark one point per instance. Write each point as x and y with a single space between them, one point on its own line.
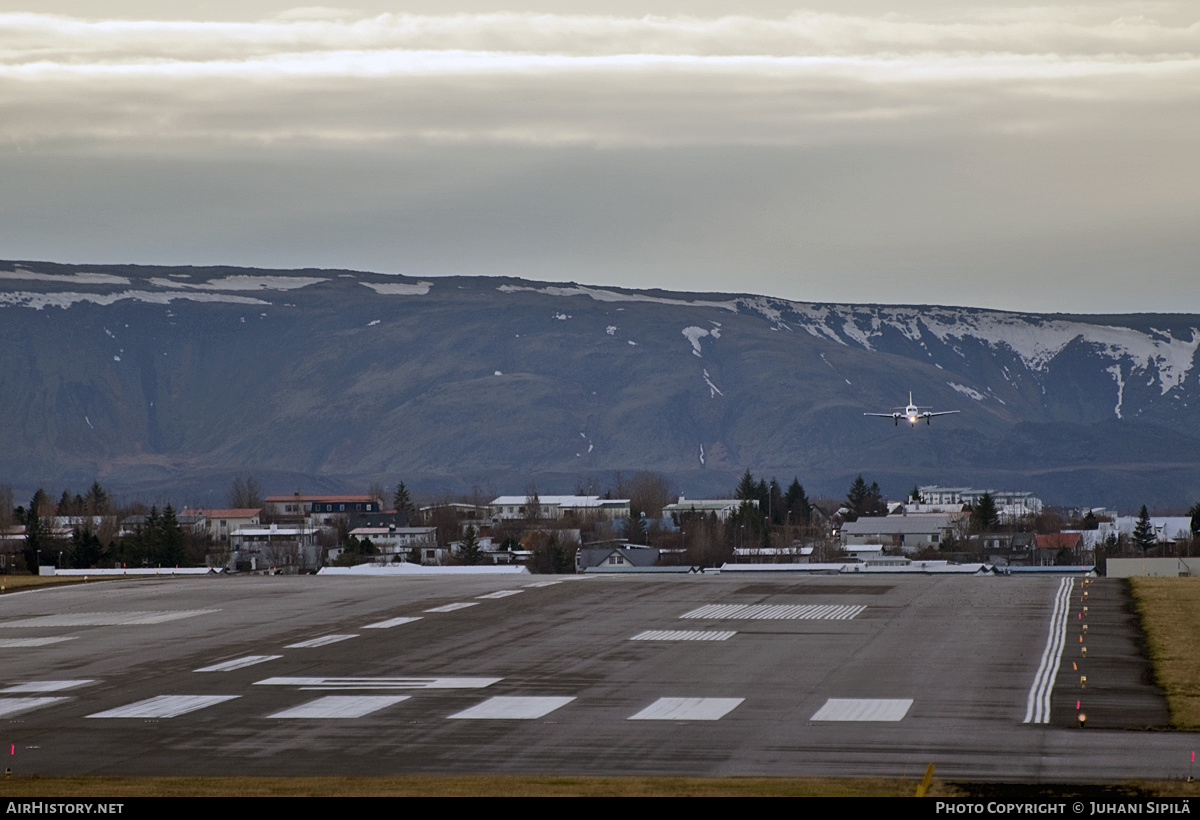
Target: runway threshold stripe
17 643
380 683
1037 705
165 706
682 635
453 607
504 593
239 663
43 686
338 707
324 640
776 612
863 709
513 708
688 709
136 618
15 706
388 624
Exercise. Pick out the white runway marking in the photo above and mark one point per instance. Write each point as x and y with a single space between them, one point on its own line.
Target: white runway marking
542 584
324 640
108 618
165 706
682 635
340 707
15 706
13 643
239 663
388 624
504 593
688 709
773 612
863 709
1037 705
381 683
452 607
43 686
513 708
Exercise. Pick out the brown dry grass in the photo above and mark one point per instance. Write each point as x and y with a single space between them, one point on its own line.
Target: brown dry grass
461 786
12 583
1170 611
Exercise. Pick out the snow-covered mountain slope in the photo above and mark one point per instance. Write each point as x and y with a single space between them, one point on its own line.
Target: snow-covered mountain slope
147 377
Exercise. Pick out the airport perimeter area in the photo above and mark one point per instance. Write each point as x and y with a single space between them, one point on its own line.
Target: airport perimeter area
697 676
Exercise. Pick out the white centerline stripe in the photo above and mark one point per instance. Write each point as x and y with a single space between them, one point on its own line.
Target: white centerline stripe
1037 706
513 708
239 663
13 643
682 635
15 706
165 706
542 584
863 709
324 640
43 686
340 707
504 593
688 709
388 624
452 607
381 683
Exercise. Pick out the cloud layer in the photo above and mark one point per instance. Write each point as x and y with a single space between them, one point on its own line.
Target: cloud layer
787 153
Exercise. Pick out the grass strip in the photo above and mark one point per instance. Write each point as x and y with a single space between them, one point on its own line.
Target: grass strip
16 583
1170 613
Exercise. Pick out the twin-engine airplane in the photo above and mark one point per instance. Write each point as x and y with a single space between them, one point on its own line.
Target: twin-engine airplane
912 413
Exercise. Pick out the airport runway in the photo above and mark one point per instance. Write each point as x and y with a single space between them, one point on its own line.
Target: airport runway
586 675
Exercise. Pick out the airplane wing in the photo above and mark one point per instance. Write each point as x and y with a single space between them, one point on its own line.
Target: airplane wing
882 415
928 415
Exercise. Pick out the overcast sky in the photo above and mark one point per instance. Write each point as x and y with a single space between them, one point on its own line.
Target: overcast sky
1002 155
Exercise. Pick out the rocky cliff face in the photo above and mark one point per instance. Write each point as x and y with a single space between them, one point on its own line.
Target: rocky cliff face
174 379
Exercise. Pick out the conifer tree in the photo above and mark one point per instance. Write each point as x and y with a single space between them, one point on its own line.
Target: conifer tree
1144 536
402 502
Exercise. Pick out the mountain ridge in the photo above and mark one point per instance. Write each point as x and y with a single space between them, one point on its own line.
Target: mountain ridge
148 376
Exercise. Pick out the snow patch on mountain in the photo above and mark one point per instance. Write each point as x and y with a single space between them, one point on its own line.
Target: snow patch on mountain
764 306
966 391
243 282
399 288
1036 341
813 319
694 335
81 278
602 295
37 301
713 390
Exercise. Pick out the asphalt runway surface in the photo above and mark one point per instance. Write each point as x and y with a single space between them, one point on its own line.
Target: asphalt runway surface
582 675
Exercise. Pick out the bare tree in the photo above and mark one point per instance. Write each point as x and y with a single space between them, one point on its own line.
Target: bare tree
246 494
377 493
533 506
6 507
648 494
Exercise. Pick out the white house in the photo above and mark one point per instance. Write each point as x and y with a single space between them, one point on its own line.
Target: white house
556 507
